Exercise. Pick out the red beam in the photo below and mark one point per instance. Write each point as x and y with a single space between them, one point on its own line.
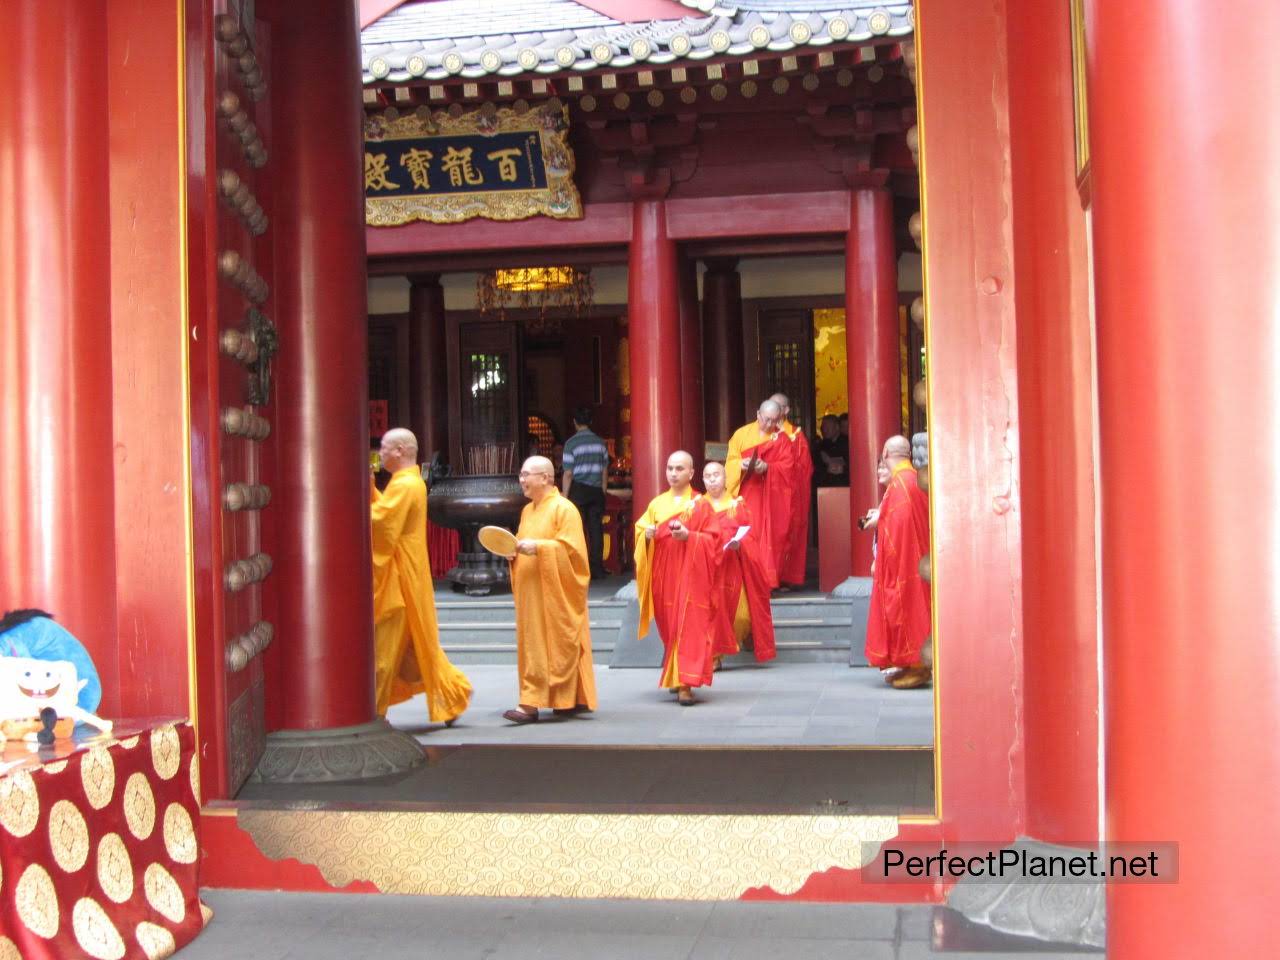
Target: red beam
603 224
776 215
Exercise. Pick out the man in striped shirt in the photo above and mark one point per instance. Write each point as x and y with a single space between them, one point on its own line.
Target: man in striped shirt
586 467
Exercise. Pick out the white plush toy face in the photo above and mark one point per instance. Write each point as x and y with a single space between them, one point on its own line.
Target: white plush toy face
28 686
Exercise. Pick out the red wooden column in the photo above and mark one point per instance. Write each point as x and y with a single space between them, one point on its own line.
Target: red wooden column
325 632
428 385
723 371
653 309
871 338
691 429
57 535
1186 216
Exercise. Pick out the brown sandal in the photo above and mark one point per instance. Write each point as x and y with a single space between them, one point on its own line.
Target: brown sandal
517 715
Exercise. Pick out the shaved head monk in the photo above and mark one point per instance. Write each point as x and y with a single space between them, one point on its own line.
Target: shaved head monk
795 551
549 578
761 469
744 610
898 622
406 637
678 550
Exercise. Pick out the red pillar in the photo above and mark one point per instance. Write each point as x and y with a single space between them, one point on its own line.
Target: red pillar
325 580
428 386
691 431
57 535
1186 215
725 385
871 337
653 308
1055 400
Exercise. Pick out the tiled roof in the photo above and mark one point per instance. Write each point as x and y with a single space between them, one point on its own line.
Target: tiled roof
441 39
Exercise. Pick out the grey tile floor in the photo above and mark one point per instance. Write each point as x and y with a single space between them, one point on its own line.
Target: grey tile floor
273 926
801 704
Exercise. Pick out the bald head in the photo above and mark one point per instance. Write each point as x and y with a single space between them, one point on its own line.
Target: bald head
537 478
713 480
680 472
399 449
896 449
784 404
768 416
538 465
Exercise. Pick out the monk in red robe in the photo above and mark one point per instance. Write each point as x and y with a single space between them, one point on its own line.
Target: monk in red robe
761 469
898 623
678 550
744 589
791 569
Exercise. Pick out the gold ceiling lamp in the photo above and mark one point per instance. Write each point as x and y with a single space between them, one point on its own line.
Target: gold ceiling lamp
552 291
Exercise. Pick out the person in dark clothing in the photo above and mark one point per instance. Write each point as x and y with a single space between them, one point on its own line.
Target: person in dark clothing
831 455
586 466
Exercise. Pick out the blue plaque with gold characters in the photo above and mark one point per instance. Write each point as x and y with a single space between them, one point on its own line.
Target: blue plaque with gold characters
498 164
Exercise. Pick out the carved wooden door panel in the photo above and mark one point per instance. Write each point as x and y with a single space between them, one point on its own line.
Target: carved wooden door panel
232 410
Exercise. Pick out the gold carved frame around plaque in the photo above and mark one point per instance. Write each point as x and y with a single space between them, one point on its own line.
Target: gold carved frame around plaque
558 199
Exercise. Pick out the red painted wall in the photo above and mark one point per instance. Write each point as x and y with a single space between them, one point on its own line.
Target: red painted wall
1055 406
148 343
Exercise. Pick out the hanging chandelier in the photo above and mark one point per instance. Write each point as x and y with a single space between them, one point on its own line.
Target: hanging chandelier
551 291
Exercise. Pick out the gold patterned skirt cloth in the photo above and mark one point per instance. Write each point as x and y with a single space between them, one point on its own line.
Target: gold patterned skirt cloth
98 845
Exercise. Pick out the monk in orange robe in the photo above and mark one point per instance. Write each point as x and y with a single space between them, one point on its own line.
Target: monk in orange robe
898 623
760 468
406 638
678 549
791 569
744 588
549 578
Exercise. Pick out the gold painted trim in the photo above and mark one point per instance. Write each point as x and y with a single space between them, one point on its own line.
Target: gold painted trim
1079 84
634 856
930 432
184 326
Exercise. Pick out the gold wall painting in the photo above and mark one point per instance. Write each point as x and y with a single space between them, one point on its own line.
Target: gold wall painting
498 164
1080 88
830 362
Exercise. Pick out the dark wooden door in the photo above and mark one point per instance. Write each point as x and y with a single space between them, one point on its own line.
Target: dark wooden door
783 361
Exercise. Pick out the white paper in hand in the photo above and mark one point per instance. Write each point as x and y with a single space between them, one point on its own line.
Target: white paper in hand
737 537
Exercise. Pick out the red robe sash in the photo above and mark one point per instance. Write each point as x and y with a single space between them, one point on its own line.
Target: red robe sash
898 623
791 568
743 570
768 497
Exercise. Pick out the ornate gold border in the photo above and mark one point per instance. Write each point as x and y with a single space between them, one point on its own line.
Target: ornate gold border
637 856
559 199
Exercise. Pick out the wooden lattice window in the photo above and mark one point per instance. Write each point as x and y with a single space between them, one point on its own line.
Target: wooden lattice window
487 403
785 373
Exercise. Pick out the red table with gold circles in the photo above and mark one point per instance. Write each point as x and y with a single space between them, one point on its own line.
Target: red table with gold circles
99 850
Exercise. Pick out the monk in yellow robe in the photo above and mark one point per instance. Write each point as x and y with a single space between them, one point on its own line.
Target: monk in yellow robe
740 579
678 551
549 577
760 468
406 638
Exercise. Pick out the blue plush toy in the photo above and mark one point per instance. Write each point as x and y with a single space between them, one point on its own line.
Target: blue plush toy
46 677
